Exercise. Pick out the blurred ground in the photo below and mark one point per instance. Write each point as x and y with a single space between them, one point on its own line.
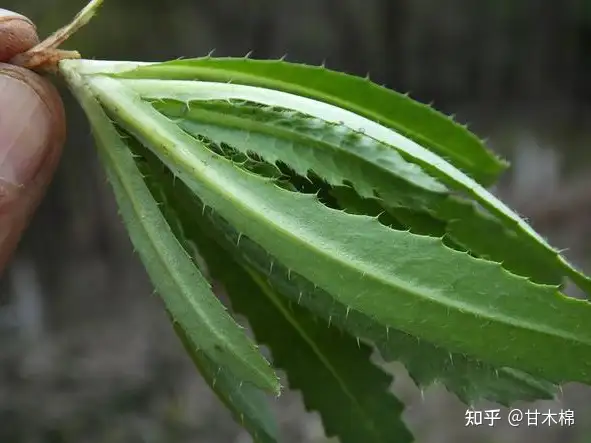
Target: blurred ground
86 352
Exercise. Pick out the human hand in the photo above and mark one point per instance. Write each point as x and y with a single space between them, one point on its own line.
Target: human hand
32 133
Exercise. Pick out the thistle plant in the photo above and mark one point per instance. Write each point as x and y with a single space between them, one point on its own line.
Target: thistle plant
342 220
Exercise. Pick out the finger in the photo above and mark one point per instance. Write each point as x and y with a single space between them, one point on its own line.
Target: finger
32 133
18 34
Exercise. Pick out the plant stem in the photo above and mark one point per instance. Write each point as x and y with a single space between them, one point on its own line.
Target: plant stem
45 56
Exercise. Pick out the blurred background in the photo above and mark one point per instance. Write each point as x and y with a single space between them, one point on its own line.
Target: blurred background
86 351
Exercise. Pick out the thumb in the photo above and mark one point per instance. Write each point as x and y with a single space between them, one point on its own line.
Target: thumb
32 133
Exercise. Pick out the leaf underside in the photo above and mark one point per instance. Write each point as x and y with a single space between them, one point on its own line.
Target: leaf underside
376 270
470 379
339 156
439 167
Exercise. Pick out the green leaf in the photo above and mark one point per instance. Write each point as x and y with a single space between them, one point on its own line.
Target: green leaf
432 163
185 292
402 280
340 155
416 121
303 142
331 369
470 379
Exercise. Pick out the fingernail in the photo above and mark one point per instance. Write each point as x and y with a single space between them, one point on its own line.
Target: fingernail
25 128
